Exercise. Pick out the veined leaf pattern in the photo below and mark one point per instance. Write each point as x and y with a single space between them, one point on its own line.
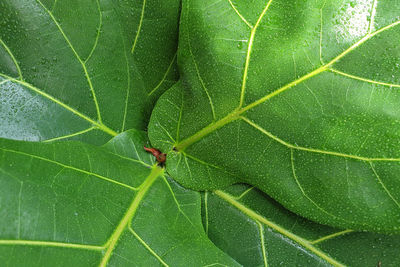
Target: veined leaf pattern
70 203
257 231
86 68
299 100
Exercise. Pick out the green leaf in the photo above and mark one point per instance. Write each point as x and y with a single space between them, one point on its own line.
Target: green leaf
83 69
70 203
256 231
298 98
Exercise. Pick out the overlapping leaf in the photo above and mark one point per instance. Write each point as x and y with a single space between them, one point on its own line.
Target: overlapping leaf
256 231
69 204
298 98
83 69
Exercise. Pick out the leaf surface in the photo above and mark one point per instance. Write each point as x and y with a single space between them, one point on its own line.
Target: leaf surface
297 98
257 231
69 203
83 69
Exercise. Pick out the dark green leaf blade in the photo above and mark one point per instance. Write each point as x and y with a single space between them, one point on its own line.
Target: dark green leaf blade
257 231
97 206
70 69
280 100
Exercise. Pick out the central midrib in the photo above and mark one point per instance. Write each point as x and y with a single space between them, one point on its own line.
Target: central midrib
126 220
181 146
234 115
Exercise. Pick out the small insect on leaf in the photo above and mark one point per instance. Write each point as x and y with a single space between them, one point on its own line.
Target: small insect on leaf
160 157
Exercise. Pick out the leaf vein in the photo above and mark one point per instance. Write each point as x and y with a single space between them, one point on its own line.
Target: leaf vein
291 146
139 27
363 79
78 58
240 15
147 247
384 186
70 167
49 244
98 125
13 58
257 217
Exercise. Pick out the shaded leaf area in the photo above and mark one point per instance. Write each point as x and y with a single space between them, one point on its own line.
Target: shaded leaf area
69 203
257 231
83 70
297 98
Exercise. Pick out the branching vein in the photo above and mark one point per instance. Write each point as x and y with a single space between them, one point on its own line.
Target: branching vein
139 27
248 56
148 247
240 15
164 77
49 244
13 59
325 238
363 79
98 125
78 58
126 220
319 151
237 112
258 218
70 167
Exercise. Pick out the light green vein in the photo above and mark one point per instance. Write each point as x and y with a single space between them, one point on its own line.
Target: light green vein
19 210
98 32
240 15
164 77
363 79
206 210
262 241
54 5
139 27
49 244
257 217
248 190
177 202
383 185
128 86
205 163
291 146
13 59
78 58
98 125
71 168
69 135
148 247
248 56
234 115
126 220
179 119
131 159
304 193
198 73
325 238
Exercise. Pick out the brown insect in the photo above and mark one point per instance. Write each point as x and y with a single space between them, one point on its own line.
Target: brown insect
160 157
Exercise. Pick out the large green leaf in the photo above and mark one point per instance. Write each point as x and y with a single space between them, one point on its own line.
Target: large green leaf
256 231
298 98
68 203
83 69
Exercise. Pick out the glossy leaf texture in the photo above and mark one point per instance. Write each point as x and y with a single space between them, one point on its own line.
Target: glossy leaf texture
257 231
298 98
83 69
69 203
